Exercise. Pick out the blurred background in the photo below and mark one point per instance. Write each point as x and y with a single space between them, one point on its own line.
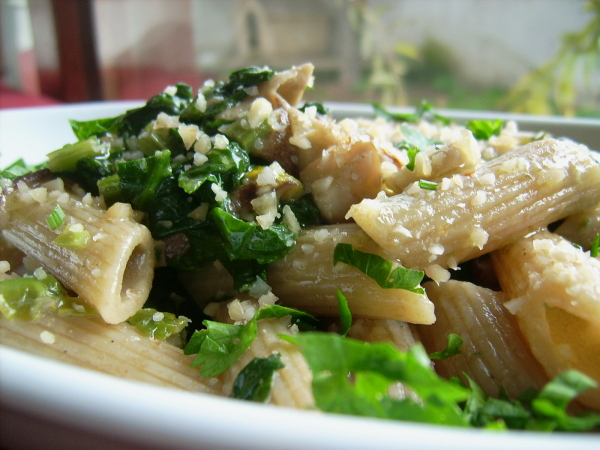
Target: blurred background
533 56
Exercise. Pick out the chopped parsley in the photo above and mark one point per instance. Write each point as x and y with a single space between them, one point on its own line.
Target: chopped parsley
452 348
254 381
485 129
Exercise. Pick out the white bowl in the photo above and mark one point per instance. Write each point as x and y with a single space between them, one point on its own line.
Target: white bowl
47 404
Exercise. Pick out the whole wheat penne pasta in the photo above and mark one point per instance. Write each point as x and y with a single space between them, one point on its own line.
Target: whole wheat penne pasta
396 332
581 228
469 215
553 289
337 164
112 270
292 383
460 155
119 350
211 282
287 86
343 175
493 353
307 279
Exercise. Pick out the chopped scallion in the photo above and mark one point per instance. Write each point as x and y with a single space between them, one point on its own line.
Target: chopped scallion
56 218
428 185
595 247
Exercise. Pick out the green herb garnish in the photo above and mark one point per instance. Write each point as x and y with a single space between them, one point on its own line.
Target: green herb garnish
595 247
345 314
56 217
157 325
29 297
452 348
485 129
428 185
386 274
254 381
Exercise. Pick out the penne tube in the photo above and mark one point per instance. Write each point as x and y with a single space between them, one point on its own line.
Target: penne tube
119 350
307 279
395 332
553 290
288 86
212 282
459 155
343 175
470 215
493 353
111 269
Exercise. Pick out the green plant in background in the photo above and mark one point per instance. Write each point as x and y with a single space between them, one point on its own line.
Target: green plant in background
552 88
385 66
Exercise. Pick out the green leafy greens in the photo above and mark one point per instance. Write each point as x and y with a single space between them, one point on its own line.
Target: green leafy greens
452 349
254 381
220 345
132 158
485 129
332 358
386 274
29 297
353 377
595 247
158 325
424 110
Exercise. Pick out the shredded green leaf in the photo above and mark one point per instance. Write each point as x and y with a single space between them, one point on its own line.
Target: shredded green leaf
18 169
452 349
304 320
157 325
353 377
321 109
254 381
219 345
373 368
244 240
345 313
29 297
66 158
73 236
485 129
423 110
414 142
386 274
